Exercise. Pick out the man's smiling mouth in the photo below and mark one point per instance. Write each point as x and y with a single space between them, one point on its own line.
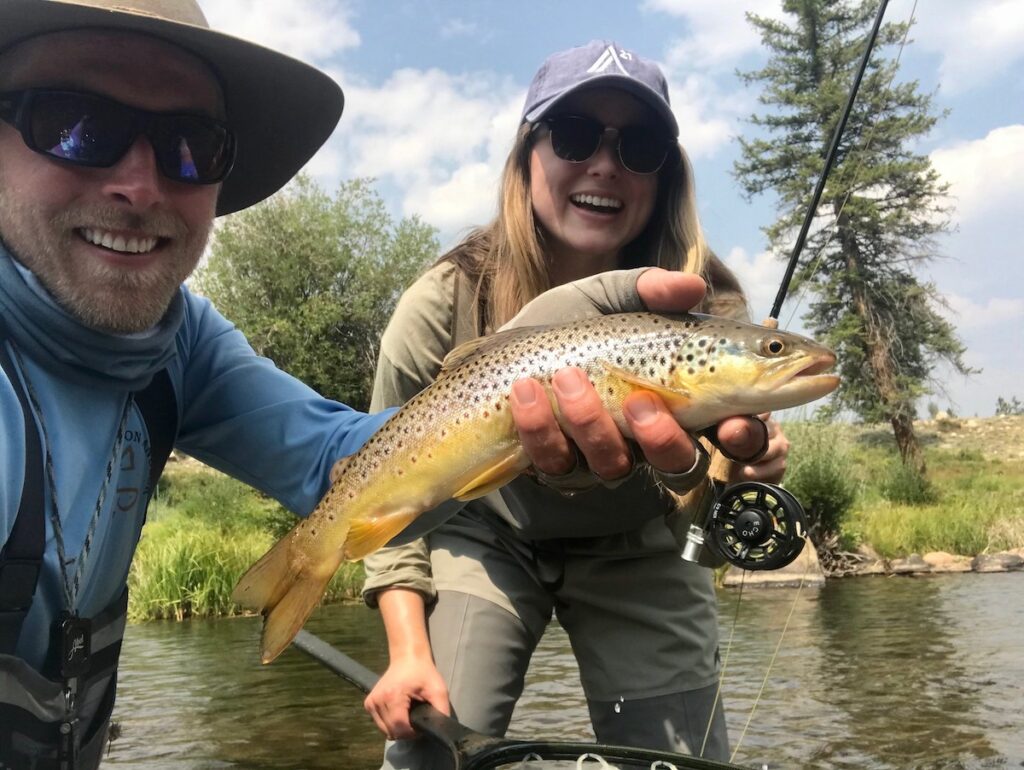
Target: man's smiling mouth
119 243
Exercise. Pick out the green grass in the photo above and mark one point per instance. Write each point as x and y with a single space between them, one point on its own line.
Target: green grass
204 531
973 504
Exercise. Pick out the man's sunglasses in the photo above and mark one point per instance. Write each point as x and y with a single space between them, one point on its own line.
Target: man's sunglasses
88 130
641 149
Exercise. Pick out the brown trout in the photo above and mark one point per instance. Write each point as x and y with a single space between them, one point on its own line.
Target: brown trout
456 438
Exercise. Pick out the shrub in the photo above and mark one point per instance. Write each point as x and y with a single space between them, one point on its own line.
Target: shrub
905 485
222 502
818 474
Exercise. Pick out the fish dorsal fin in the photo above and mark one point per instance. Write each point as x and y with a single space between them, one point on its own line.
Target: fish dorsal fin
674 399
462 353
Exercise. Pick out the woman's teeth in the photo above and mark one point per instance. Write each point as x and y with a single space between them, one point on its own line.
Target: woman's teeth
132 245
596 202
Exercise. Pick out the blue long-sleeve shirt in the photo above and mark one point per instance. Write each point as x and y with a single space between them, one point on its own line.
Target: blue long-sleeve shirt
237 412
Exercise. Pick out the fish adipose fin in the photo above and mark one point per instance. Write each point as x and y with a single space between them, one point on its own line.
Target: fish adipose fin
674 399
496 476
285 591
367 535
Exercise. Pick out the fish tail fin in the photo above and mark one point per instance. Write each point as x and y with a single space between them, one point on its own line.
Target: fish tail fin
366 535
284 620
286 591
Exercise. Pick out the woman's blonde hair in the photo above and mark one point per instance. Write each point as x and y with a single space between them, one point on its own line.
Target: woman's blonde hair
506 258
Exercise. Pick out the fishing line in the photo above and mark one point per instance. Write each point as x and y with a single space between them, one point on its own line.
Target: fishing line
771 664
725 665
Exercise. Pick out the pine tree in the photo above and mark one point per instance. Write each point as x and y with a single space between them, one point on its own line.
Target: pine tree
882 208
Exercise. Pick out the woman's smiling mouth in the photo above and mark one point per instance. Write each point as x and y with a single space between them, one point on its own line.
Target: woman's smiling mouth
600 203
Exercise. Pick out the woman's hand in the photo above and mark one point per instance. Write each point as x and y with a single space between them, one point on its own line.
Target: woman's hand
405 683
771 466
665 445
411 676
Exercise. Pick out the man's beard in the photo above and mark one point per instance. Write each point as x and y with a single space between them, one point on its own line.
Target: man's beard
100 295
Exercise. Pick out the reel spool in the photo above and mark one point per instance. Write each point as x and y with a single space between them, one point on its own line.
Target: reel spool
756 526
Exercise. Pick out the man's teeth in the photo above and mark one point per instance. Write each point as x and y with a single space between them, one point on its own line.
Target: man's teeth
597 201
113 242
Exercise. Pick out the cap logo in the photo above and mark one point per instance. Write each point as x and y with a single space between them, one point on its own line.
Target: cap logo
608 59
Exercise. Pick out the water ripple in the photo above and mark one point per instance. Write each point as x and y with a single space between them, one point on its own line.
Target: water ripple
873 674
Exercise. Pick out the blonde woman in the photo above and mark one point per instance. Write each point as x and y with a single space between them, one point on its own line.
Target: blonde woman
595 182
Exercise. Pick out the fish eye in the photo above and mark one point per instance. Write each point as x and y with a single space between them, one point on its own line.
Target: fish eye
772 346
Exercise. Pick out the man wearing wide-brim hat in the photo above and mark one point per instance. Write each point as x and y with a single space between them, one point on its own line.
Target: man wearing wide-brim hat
126 126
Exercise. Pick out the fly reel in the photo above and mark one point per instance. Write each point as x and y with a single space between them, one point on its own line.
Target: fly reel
756 526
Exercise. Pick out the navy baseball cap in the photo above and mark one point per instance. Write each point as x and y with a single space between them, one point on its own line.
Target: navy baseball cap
598 63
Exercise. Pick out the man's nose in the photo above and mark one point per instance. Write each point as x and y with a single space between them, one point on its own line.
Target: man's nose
135 179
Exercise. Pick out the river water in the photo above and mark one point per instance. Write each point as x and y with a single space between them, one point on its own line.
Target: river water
871 673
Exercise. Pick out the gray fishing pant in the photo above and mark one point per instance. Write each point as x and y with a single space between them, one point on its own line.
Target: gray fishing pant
641 621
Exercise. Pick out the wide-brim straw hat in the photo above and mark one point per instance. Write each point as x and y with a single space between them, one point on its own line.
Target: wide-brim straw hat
280 109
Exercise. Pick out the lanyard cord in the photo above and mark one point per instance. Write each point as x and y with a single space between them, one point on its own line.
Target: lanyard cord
71 586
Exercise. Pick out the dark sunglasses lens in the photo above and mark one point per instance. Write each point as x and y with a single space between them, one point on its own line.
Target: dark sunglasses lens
79 128
192 149
642 150
575 139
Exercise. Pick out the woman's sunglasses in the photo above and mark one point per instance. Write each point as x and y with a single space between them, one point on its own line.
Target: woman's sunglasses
641 149
88 130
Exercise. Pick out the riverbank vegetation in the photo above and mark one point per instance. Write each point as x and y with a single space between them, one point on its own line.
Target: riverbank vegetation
206 529
856 489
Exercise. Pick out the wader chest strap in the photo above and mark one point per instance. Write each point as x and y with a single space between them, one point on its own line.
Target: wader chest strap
21 557
159 409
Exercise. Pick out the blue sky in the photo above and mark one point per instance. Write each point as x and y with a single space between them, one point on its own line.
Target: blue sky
434 91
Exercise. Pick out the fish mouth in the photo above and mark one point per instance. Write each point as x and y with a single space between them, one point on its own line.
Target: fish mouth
807 379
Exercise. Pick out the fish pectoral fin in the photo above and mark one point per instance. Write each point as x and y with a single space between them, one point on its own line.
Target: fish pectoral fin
495 476
674 399
369 534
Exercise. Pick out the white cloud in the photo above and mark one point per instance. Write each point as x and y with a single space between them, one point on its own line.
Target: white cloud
706 99
437 138
986 176
992 312
459 28
467 198
759 275
310 30
719 31
707 121
976 40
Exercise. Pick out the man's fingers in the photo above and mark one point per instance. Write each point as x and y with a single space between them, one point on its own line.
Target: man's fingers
541 437
590 425
666 446
669 291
